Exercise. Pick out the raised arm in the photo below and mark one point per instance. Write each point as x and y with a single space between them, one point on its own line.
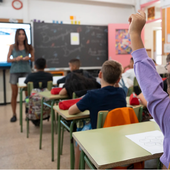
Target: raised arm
149 80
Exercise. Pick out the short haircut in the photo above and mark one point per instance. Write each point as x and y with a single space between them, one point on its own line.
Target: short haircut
112 71
75 62
168 58
40 63
132 59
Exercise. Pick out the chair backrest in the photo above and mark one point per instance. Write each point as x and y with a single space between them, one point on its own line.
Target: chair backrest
30 86
103 114
120 116
74 95
138 111
130 91
101 118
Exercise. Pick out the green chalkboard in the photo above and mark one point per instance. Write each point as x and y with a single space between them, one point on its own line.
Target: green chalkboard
54 43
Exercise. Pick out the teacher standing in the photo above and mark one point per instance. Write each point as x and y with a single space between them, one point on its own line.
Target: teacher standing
20 64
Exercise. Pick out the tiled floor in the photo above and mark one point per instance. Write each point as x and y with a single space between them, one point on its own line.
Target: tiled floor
19 152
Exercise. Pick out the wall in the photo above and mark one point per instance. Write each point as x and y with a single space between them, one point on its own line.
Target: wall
92 13
149 28
86 12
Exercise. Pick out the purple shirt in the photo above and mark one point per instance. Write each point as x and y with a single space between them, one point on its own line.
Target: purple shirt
157 100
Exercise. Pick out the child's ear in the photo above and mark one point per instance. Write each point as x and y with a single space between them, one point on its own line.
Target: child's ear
100 75
118 80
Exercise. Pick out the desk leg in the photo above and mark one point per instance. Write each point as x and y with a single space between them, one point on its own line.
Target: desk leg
86 159
59 135
52 130
41 123
21 90
71 146
82 162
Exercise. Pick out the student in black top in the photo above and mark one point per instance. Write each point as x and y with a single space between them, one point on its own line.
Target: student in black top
74 66
39 75
34 105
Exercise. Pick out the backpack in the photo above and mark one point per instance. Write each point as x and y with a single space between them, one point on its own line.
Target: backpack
123 86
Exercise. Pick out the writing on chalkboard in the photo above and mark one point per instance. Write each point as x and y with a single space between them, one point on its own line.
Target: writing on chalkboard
59 43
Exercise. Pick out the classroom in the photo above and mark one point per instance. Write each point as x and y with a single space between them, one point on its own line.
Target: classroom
84 84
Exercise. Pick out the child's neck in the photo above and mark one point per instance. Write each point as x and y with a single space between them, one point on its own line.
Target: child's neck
104 84
39 70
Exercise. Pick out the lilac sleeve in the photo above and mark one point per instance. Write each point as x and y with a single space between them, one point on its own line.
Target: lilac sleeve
151 85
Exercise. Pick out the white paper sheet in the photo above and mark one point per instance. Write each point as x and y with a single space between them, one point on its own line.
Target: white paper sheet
74 38
21 80
151 141
56 78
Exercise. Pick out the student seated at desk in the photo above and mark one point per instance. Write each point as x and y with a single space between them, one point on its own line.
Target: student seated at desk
129 73
34 105
74 66
158 101
79 84
108 97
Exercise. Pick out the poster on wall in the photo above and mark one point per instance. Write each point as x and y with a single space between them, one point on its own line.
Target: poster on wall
151 13
123 43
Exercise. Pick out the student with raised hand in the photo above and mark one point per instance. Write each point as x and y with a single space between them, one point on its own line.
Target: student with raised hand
20 64
108 97
158 102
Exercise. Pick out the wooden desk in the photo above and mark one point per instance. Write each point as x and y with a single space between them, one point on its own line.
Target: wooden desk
73 118
108 147
53 99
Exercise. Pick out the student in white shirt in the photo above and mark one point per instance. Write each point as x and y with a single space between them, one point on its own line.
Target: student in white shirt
130 74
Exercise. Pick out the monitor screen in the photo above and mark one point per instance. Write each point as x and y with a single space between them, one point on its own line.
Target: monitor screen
7 37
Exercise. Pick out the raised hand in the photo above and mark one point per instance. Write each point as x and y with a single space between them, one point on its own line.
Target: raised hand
137 22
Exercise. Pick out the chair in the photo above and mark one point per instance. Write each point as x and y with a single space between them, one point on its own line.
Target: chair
125 115
103 114
30 86
130 91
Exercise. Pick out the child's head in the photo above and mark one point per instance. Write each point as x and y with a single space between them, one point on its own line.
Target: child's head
111 72
74 64
168 63
131 63
40 64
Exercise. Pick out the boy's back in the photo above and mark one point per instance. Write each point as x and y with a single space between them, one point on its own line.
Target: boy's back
39 76
106 98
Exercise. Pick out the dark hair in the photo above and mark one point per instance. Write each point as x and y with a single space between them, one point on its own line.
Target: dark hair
154 61
75 62
40 63
132 59
112 71
28 48
168 58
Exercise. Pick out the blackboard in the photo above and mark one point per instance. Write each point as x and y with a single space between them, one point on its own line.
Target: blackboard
53 42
